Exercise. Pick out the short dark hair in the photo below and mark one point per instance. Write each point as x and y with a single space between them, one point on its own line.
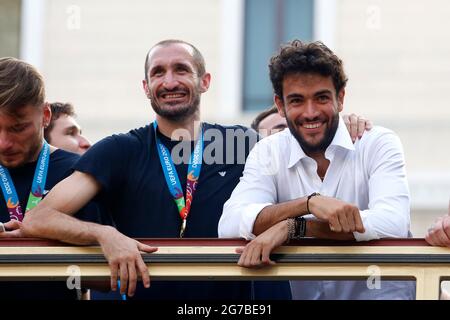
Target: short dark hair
58 109
301 57
197 56
260 117
20 85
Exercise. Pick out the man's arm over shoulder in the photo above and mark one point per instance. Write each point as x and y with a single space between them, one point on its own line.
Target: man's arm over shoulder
388 213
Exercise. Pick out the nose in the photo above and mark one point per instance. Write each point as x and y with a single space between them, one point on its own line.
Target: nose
5 141
83 143
170 81
310 111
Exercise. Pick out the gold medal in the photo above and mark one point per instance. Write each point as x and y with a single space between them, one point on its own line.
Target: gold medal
183 227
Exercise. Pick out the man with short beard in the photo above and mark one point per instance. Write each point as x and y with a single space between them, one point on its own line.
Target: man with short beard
312 181
29 166
149 184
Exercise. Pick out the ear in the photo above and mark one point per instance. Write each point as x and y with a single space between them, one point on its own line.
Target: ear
280 105
46 114
146 89
341 96
205 82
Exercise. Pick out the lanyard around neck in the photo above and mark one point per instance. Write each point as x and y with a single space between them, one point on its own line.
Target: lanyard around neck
37 188
172 180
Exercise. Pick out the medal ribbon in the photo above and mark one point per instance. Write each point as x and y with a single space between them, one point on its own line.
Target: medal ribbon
172 180
37 188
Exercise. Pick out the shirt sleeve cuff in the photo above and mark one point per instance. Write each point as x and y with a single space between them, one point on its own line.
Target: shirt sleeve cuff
248 219
369 234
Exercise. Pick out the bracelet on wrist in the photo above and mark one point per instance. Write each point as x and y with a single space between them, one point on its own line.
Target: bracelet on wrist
300 227
296 228
291 229
314 194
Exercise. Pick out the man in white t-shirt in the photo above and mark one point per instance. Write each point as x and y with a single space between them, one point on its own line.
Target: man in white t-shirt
312 181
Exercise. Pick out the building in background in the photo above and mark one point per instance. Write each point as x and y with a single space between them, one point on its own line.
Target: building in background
396 53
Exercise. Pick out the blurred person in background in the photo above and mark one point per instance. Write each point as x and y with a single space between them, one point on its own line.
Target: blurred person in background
269 122
64 131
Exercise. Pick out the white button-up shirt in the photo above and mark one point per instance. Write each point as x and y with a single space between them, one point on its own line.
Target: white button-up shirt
369 174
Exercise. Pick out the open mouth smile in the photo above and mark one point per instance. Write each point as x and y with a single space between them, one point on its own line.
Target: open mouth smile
171 96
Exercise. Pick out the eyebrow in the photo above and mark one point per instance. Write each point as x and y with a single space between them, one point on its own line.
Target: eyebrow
280 126
326 91
20 122
294 95
19 117
183 66
72 128
155 68
175 65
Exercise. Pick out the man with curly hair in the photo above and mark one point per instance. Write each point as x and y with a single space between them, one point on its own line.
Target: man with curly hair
312 181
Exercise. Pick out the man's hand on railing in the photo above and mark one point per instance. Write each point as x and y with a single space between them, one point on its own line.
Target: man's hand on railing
439 233
125 260
11 229
257 252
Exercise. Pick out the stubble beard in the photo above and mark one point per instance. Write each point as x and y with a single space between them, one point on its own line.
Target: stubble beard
322 145
178 113
30 155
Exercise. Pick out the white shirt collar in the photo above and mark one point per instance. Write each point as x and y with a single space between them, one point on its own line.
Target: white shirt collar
341 139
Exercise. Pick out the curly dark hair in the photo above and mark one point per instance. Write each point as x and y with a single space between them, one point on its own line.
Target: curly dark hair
301 57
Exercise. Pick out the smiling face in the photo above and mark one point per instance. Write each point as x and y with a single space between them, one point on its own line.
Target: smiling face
311 109
173 83
21 134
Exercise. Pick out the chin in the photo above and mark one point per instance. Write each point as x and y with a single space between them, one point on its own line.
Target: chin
11 163
312 141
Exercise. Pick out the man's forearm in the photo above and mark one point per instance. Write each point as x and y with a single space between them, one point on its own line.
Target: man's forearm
52 224
273 214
